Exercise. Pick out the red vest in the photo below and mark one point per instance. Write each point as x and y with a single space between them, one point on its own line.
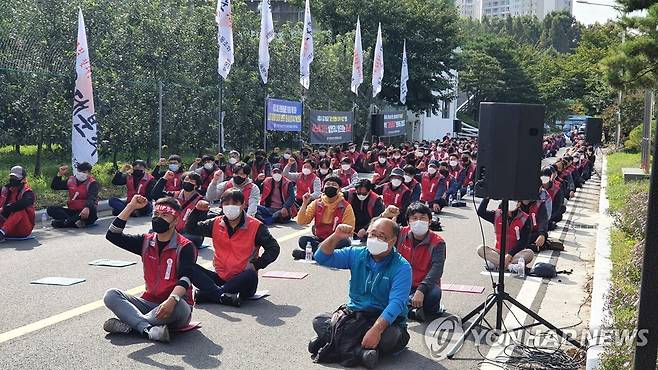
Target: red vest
552 191
346 176
304 184
141 188
78 193
268 184
206 177
228 170
187 207
323 231
7 197
532 212
255 171
161 269
428 187
513 229
394 197
175 183
370 206
246 190
381 170
420 258
234 253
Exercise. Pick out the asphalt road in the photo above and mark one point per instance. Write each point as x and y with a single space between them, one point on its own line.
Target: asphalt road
52 327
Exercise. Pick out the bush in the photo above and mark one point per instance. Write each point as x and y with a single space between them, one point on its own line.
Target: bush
634 141
632 217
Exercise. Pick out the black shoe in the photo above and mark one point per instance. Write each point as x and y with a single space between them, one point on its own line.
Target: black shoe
2 237
200 297
314 345
369 358
58 224
417 314
298 254
230 299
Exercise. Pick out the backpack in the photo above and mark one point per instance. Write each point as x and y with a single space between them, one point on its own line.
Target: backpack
546 270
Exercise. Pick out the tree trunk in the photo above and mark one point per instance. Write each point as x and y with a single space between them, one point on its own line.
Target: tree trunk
37 164
114 158
17 148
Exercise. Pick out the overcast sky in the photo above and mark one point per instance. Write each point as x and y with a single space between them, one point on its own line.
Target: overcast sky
588 14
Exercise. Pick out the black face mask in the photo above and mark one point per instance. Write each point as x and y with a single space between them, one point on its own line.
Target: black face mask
259 158
188 186
238 180
138 173
159 225
14 182
330 191
444 173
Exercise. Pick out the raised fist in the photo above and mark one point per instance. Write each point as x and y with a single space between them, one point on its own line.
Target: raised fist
162 162
126 168
344 231
197 160
138 201
62 170
202 206
169 175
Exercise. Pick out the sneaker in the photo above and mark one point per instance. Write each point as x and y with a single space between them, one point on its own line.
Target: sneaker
159 333
417 314
58 224
2 237
314 345
117 326
369 358
298 254
230 299
490 266
80 224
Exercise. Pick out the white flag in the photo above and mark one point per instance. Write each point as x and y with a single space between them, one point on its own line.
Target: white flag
404 75
378 64
357 62
306 51
83 133
224 22
266 36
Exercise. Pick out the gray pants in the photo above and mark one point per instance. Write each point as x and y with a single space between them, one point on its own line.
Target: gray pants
139 314
493 257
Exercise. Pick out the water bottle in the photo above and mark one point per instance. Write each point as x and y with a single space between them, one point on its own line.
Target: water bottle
521 268
44 220
309 253
468 190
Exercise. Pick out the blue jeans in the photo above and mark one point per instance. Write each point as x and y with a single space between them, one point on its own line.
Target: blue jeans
432 300
270 215
118 205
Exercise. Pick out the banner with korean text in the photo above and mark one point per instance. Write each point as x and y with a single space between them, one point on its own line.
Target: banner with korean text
283 115
331 127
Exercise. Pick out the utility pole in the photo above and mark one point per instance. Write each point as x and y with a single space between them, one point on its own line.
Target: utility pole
159 119
646 129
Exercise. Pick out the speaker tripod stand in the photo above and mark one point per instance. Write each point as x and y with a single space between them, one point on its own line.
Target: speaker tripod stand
498 298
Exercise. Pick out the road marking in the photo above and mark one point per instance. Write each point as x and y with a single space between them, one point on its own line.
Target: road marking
74 312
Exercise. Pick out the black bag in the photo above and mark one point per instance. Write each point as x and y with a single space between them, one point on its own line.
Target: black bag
347 330
546 270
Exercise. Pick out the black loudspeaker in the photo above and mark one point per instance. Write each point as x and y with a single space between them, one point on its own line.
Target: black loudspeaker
456 126
377 125
509 153
593 130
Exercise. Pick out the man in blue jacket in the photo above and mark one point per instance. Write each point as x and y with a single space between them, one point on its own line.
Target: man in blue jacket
379 285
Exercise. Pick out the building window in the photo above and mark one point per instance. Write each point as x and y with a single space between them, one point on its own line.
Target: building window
445 109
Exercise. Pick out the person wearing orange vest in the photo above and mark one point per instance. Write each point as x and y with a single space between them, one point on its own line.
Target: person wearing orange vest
175 165
429 183
328 211
536 210
412 183
240 181
425 251
277 199
395 193
208 170
381 168
305 181
366 205
187 198
237 239
168 259
138 182
519 227
16 206
82 203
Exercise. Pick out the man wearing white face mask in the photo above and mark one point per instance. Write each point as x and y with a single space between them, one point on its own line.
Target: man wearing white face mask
237 240
395 193
277 200
366 205
426 252
80 210
305 182
374 318
347 174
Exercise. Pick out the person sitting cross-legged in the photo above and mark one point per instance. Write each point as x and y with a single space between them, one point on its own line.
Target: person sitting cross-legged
237 239
426 252
277 199
16 206
82 204
373 322
328 211
167 258
137 182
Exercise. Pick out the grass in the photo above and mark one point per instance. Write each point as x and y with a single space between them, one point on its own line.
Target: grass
626 260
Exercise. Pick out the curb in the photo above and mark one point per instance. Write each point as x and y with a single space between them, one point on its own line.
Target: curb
602 271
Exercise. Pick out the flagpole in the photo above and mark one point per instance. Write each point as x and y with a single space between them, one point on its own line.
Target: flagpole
220 125
159 119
